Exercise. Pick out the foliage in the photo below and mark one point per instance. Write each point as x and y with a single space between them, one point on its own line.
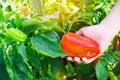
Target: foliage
43 22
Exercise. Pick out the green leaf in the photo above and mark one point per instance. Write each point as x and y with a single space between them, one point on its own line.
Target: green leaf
49 71
49 25
86 69
1 6
18 21
3 72
44 65
52 35
54 65
30 22
116 70
117 53
8 15
10 69
22 51
45 78
101 70
46 46
1 16
109 58
11 24
17 68
118 77
21 69
30 29
99 6
34 59
69 69
96 16
8 8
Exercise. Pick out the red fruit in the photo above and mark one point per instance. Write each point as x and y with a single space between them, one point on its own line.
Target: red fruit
115 44
79 46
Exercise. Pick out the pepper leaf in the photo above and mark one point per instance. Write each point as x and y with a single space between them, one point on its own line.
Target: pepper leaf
34 59
3 74
8 15
102 70
21 50
53 36
1 16
54 65
46 46
20 68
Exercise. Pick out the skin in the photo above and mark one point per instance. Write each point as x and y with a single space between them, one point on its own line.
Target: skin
102 33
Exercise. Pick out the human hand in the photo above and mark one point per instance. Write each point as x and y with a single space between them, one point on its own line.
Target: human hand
99 33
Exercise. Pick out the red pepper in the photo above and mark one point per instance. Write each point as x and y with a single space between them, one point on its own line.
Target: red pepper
79 46
115 44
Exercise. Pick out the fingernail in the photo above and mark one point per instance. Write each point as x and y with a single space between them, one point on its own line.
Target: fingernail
77 59
69 58
84 59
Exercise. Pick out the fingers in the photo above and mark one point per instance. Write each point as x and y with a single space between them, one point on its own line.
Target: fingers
80 60
77 60
70 59
86 61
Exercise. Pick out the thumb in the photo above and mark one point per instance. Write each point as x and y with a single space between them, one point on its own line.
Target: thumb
79 32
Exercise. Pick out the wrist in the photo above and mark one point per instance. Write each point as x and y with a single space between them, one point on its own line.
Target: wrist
112 26
109 29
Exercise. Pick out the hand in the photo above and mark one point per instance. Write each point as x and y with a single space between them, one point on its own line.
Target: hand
101 34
